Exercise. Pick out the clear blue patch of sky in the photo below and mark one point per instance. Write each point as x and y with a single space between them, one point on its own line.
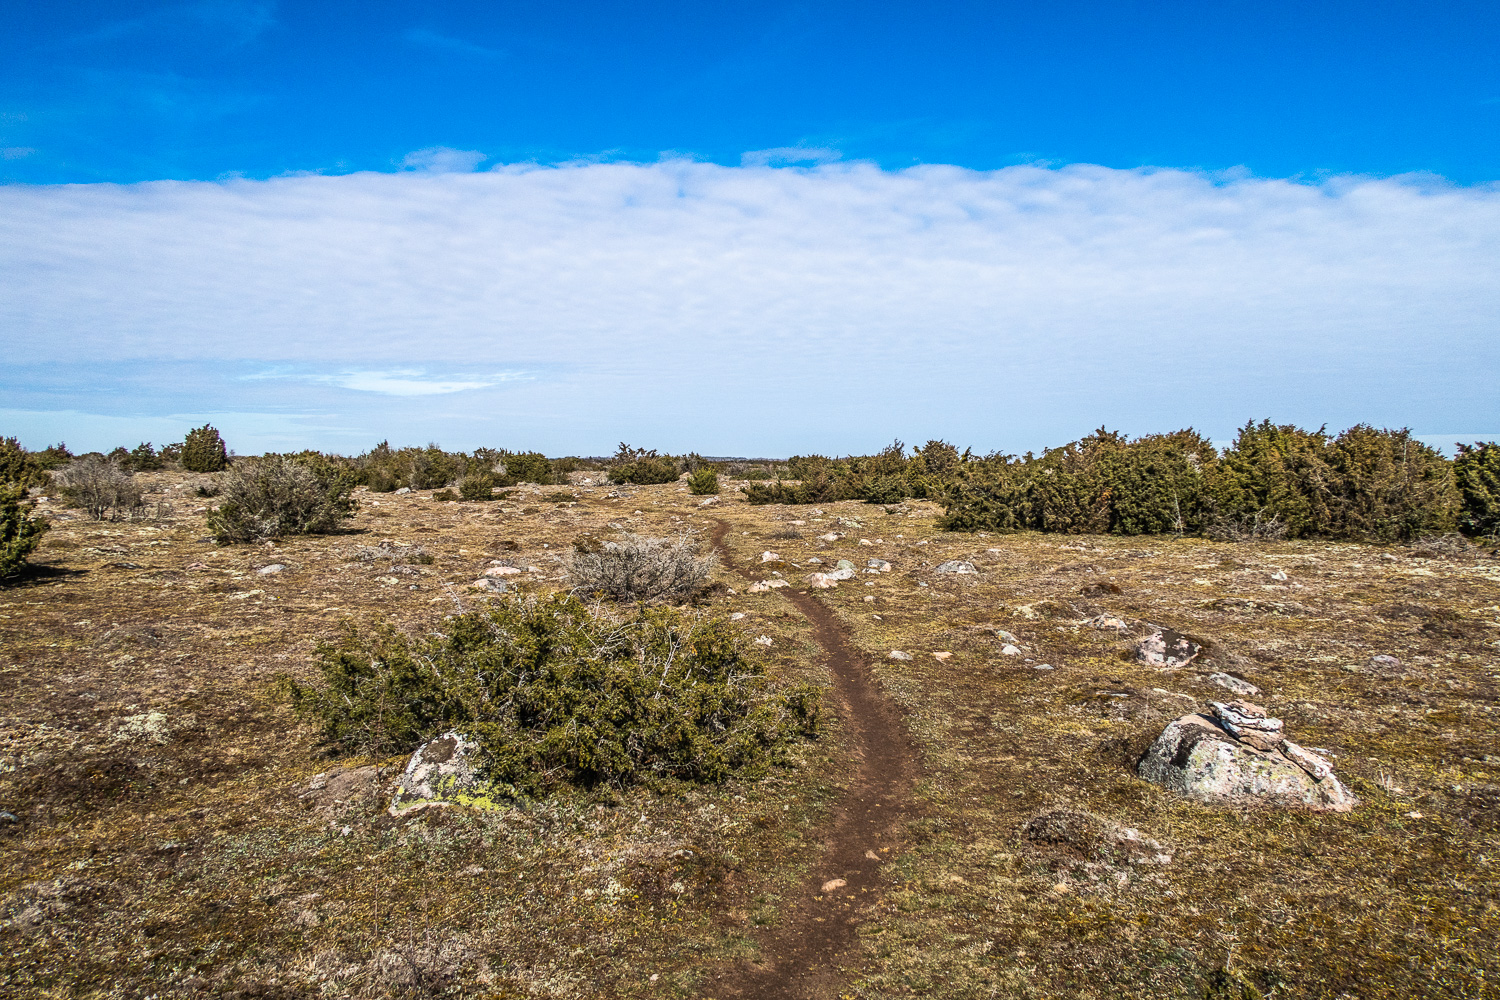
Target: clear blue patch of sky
122 91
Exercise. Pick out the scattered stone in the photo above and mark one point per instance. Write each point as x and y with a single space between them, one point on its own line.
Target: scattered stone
1384 665
1096 838
764 640
956 566
1249 723
1196 757
830 537
823 581
879 565
1307 760
1236 685
403 491
271 570
762 586
149 727
1005 636
502 571
443 771
1167 649
1108 623
766 557
1010 650
490 584
709 502
1278 575
834 883
334 795
737 616
897 654
941 655
1042 666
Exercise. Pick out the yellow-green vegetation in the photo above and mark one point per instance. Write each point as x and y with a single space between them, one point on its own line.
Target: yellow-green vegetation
179 830
558 692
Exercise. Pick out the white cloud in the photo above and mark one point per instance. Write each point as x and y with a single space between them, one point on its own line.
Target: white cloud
399 382
737 310
442 160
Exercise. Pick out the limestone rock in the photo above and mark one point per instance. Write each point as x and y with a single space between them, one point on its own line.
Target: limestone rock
897 654
766 557
1010 649
957 566
1108 623
1195 757
1233 684
1384 665
760 587
489 583
830 537
823 581
1310 762
271 570
1166 648
1249 724
879 565
443 771
345 792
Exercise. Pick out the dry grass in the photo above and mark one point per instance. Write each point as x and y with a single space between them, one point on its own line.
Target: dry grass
185 853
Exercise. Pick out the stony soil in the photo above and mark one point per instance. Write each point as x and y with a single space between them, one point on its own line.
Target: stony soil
167 840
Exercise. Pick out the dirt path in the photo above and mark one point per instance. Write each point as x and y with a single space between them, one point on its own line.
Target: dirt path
805 955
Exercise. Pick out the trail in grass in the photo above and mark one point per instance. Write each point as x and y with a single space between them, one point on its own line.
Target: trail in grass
811 953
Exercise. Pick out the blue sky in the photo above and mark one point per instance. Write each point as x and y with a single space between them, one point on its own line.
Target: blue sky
747 228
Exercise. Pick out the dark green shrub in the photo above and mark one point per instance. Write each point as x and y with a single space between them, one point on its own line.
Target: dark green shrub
557 693
477 486
445 496
704 481
143 458
1274 474
275 496
100 487
528 467
431 467
639 569
19 467
642 467
1476 473
1388 486
381 480
20 533
203 451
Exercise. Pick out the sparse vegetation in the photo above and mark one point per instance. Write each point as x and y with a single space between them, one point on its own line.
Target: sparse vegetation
275 496
642 467
557 692
100 487
477 486
20 532
634 568
203 450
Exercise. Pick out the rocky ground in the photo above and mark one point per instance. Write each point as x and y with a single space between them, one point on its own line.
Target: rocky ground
170 829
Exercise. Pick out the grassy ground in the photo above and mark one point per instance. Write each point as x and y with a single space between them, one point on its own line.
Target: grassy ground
168 842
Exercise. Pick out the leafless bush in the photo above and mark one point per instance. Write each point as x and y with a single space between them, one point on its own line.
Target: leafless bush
787 532
639 569
1247 528
394 553
101 488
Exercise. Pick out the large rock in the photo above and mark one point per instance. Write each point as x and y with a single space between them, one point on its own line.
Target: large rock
444 771
1195 757
1166 648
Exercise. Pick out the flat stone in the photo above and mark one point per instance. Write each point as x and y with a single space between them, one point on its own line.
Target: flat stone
897 654
956 566
1196 758
766 557
879 565
1234 684
1310 762
1166 648
271 570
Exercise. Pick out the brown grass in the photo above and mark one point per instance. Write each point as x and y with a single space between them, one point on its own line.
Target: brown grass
184 853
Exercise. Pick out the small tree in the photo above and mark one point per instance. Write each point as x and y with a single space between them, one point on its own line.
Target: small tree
203 451
704 481
100 487
19 532
20 467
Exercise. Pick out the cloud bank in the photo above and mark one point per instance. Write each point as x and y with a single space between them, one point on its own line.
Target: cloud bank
767 310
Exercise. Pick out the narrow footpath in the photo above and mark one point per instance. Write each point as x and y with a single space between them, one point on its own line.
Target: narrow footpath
809 954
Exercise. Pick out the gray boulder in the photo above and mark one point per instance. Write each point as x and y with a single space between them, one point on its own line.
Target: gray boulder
444 771
1197 758
1166 648
957 566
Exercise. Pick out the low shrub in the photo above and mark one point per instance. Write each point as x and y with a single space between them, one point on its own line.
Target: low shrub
1476 473
143 458
639 569
275 496
100 487
20 533
445 496
556 693
642 467
704 482
19 467
203 451
528 467
557 496
476 487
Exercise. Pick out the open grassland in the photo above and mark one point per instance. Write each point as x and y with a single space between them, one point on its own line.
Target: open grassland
169 838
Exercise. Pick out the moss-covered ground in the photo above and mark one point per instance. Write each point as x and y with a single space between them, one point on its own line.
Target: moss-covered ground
167 840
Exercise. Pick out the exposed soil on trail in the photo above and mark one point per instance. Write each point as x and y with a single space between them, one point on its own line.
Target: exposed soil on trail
807 955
